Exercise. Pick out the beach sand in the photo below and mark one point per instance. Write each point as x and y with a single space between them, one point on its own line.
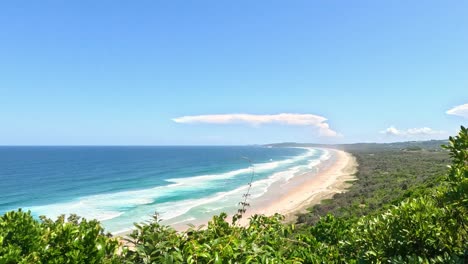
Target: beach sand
304 191
301 191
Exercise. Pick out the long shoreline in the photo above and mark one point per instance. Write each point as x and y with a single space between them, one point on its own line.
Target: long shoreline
302 191
309 189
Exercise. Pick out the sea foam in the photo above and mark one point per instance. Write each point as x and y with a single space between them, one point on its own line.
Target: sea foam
120 210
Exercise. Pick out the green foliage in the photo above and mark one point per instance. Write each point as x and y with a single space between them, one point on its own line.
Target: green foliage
262 241
24 239
386 175
19 237
75 241
421 226
154 243
457 179
413 148
415 227
330 229
430 228
426 227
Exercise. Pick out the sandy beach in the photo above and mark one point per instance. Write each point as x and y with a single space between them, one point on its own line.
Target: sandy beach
301 191
308 189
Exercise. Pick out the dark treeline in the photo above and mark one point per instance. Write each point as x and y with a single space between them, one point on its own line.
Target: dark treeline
387 173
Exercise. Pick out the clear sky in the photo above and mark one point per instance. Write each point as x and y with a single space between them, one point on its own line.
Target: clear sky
231 72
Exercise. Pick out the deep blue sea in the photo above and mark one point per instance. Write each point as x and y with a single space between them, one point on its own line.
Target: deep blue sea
123 185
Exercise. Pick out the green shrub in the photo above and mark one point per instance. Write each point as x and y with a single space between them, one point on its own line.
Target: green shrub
24 239
20 237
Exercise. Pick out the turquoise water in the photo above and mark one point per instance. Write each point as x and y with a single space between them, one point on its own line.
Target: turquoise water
123 185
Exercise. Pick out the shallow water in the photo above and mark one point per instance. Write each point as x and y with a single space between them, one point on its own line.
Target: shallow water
123 185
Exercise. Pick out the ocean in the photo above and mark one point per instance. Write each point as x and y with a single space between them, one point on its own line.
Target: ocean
122 185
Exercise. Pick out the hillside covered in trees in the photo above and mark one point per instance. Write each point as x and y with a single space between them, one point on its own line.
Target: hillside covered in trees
387 174
405 207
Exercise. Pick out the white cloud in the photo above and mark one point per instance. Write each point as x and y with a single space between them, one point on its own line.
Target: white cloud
460 110
391 131
411 132
316 121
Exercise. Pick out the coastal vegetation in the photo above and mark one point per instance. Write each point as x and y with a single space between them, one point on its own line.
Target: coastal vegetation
401 209
387 174
24 239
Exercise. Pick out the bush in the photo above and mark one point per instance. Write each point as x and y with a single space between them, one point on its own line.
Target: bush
24 239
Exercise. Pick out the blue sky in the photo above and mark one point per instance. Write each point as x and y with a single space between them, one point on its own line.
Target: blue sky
155 72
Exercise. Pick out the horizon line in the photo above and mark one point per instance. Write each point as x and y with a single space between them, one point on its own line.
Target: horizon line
211 145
